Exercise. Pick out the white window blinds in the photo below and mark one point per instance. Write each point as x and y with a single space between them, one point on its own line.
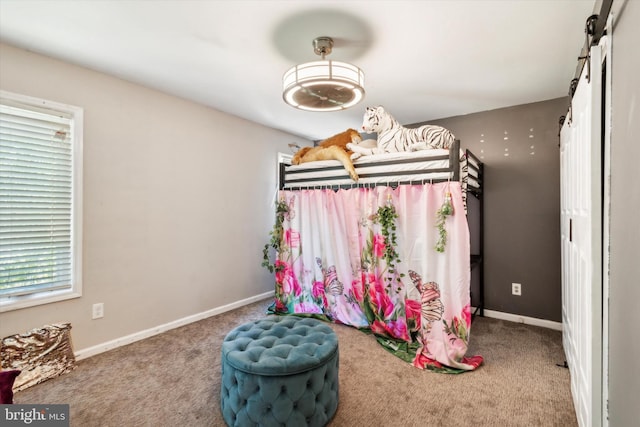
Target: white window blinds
36 196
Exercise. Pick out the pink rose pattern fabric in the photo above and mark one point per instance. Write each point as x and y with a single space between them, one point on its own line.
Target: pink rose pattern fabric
331 265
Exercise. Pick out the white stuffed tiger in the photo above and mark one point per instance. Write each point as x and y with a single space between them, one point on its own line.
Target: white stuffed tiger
393 137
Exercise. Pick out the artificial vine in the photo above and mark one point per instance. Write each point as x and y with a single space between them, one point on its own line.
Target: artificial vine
276 237
441 217
387 216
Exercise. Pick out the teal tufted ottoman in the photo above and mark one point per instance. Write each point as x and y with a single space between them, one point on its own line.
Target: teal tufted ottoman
280 371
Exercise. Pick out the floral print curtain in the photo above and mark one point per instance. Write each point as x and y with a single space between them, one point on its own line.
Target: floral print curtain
394 262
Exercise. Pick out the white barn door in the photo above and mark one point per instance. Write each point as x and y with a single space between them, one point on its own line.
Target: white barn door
581 239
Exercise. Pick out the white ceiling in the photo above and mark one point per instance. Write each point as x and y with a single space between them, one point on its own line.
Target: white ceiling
422 60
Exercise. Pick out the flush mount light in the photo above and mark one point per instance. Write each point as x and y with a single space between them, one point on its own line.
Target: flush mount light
323 85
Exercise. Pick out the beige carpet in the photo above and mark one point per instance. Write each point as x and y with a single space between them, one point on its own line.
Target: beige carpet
173 379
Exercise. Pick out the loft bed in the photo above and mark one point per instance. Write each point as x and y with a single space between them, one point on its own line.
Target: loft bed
417 167
386 174
424 166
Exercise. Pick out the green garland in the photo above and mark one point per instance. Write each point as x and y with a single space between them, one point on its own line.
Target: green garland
441 217
276 237
387 216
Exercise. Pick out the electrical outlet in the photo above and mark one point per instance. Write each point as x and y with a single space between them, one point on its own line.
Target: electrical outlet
98 311
516 289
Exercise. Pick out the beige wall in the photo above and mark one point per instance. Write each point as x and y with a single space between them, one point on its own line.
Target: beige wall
177 202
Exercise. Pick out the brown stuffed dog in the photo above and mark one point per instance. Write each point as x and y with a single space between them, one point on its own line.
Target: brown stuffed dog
332 148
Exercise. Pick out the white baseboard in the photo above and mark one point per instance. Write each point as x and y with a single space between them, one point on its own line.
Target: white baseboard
137 336
517 318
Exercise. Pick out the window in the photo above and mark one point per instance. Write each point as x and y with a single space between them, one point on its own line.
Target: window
282 158
40 201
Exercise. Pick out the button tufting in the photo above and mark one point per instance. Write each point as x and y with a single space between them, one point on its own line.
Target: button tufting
277 356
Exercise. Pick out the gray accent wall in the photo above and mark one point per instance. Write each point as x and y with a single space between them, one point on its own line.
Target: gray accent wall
519 147
624 285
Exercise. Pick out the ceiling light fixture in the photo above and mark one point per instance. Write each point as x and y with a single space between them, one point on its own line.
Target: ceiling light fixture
323 85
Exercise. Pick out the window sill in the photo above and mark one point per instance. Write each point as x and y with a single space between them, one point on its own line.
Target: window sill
25 301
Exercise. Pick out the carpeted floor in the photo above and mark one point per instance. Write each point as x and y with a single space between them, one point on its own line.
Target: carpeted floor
173 379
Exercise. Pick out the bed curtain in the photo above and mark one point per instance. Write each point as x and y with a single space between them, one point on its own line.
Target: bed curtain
367 257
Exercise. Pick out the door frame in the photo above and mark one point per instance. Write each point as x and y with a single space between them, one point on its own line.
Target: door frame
606 212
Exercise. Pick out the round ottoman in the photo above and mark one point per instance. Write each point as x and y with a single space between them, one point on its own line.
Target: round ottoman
280 371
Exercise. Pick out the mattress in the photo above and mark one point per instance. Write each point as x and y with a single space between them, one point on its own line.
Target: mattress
390 168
